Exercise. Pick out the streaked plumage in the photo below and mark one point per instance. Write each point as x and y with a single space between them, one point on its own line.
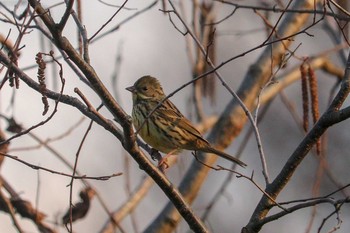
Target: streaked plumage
166 130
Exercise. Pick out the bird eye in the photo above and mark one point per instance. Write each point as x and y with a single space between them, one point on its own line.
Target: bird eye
145 88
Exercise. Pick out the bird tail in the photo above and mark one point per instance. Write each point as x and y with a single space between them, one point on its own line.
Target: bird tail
226 156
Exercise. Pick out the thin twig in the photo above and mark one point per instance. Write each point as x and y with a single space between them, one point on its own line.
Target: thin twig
108 21
234 94
73 173
37 167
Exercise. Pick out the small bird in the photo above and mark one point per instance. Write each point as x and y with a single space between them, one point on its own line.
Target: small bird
166 129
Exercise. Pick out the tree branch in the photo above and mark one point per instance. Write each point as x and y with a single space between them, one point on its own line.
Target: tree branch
330 117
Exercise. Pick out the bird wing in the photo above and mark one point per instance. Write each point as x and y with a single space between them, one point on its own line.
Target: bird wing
168 109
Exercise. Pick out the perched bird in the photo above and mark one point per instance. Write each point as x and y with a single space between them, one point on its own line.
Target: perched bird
166 129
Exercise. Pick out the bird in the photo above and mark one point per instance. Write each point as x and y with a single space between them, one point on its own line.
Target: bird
162 126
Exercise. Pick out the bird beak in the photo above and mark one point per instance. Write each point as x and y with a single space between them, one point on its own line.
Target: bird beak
131 89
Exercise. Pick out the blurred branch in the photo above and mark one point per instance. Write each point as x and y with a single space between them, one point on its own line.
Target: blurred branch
231 175
260 86
321 159
59 97
79 211
293 75
23 208
276 10
332 116
128 137
236 97
233 118
36 167
6 206
128 206
340 8
142 189
45 143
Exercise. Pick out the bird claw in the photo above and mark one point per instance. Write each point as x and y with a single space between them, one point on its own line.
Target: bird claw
162 164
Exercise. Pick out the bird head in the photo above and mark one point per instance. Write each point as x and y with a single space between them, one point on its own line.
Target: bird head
146 88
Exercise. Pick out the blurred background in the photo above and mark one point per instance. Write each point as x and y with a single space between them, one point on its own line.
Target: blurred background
150 44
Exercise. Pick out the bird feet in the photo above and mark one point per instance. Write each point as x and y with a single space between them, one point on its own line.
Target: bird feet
163 164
